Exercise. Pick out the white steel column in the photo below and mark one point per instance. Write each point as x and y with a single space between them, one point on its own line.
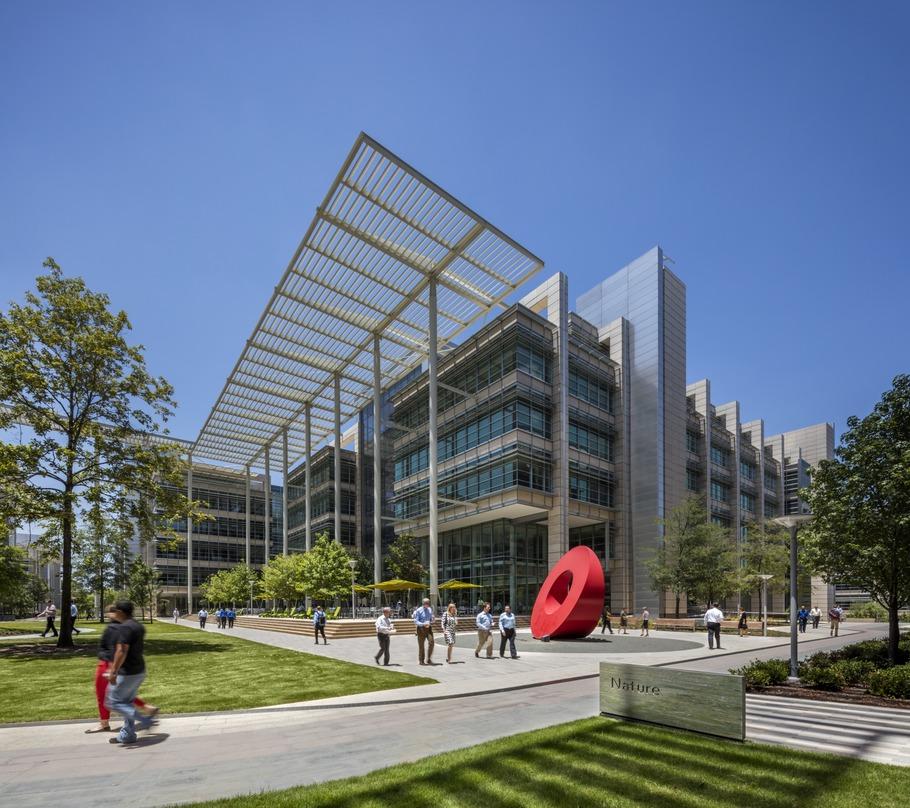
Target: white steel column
308 449
377 466
249 557
434 470
267 492
189 537
284 493
337 458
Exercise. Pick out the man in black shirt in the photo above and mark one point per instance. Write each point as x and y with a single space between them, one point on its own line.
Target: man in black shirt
127 672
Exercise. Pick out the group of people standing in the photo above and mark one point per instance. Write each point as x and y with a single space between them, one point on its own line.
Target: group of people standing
225 617
424 618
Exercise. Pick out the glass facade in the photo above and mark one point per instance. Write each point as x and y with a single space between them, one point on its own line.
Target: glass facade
719 491
719 456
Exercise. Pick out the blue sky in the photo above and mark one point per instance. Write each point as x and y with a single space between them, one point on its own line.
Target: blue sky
173 153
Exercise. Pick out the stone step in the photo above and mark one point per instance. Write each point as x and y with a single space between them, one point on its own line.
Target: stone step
343 629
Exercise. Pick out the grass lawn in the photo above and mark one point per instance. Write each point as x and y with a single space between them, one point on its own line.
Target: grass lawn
189 671
601 762
13 627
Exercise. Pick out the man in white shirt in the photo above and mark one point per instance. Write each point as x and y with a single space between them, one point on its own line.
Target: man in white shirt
384 629
74 613
423 619
484 623
713 618
50 612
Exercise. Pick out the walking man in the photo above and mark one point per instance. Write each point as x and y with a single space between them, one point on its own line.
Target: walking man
423 619
623 622
605 617
231 617
319 624
126 673
645 623
802 617
507 632
484 623
816 615
834 617
50 612
713 618
203 616
176 614
385 628
74 613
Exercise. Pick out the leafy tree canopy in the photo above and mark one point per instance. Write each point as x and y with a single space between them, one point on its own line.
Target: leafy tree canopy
326 572
404 559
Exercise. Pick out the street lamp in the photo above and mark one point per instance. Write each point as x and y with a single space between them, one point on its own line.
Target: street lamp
353 565
792 524
764 603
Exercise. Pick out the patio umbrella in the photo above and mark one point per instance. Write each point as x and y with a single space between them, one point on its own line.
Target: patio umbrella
363 590
397 585
455 584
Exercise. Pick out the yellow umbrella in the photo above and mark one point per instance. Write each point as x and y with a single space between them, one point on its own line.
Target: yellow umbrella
363 590
397 585
455 584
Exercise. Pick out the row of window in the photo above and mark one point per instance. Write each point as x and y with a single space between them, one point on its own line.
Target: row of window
590 488
719 456
324 472
746 470
588 387
223 526
746 501
719 491
213 551
691 480
514 415
692 441
233 503
601 538
593 441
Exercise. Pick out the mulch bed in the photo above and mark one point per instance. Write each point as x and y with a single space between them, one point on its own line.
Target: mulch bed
47 650
849 695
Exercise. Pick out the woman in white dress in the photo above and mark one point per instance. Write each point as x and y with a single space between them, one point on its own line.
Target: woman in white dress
449 627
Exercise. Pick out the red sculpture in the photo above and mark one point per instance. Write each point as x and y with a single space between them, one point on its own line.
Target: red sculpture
571 598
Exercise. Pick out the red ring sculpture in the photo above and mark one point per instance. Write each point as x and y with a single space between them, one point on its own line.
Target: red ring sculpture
571 598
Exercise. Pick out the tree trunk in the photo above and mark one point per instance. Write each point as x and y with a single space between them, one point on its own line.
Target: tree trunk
677 605
65 640
894 632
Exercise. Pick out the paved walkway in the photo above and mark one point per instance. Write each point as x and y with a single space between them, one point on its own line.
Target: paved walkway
190 758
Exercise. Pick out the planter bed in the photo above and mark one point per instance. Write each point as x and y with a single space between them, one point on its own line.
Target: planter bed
849 695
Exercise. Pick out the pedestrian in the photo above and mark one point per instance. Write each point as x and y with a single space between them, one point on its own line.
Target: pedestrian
507 632
106 648
385 628
816 615
127 673
203 616
835 613
231 617
802 617
449 627
713 618
74 613
605 618
220 614
645 622
743 625
484 622
623 622
423 619
319 624
176 614
50 612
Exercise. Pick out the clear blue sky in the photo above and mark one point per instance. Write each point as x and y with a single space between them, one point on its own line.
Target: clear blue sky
172 154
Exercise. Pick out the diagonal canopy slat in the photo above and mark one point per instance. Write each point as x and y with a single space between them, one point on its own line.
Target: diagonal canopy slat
363 269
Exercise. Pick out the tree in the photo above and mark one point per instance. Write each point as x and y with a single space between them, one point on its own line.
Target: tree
69 374
326 573
144 586
231 586
13 577
404 559
282 578
765 551
712 565
363 572
671 567
860 502
103 545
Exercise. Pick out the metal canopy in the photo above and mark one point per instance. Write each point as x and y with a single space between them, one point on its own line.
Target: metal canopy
362 269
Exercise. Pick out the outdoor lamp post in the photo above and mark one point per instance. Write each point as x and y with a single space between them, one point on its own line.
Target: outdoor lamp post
764 603
353 565
792 524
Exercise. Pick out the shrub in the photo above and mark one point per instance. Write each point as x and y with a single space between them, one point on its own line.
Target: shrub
821 659
892 683
874 651
854 671
825 678
866 610
764 673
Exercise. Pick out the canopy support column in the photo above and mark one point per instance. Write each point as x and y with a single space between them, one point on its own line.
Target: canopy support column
249 557
308 449
268 503
284 493
189 538
377 466
434 470
337 458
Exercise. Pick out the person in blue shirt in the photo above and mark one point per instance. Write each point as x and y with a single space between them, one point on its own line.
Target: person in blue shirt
319 624
507 632
231 616
484 632
423 619
802 617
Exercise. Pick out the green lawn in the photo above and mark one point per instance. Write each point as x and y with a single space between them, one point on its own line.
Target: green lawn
599 762
189 671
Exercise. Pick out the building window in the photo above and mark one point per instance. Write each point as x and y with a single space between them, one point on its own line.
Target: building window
691 480
746 502
593 441
591 487
746 470
770 482
770 511
719 520
719 491
587 387
719 456
692 442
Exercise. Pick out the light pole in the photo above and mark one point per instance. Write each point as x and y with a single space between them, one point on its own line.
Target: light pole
792 523
764 603
353 565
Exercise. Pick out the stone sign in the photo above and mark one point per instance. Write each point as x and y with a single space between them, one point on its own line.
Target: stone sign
713 703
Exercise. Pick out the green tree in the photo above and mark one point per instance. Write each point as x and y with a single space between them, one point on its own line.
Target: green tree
68 372
103 544
671 568
861 506
13 577
712 564
326 573
404 559
144 587
231 586
363 572
282 578
764 551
